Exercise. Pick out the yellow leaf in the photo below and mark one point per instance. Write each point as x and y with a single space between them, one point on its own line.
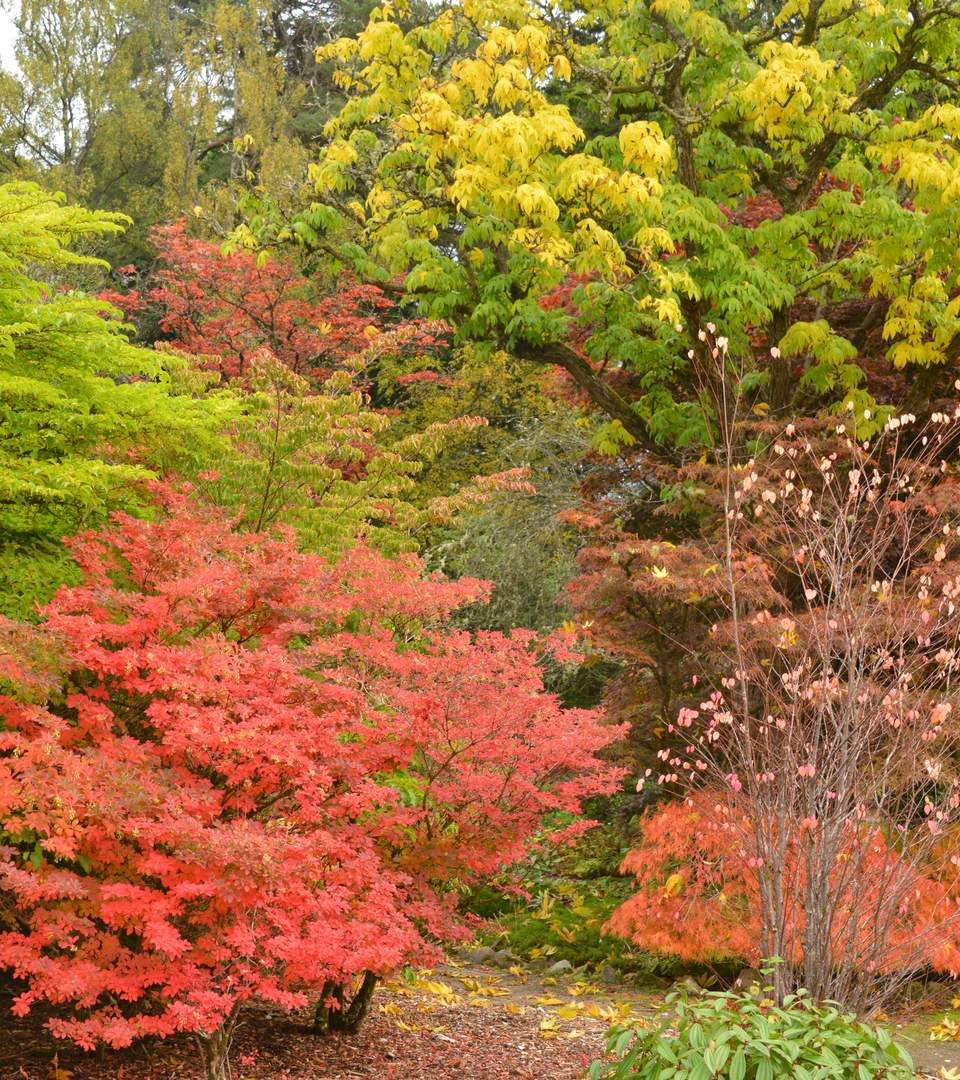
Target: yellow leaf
673 885
439 989
644 146
946 1031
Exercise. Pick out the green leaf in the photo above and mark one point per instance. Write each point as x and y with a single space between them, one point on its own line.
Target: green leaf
738 1065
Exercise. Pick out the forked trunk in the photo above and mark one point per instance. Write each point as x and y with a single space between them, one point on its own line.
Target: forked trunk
215 1050
335 1013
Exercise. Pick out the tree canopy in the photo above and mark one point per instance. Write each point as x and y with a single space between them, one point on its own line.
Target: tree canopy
588 186
85 417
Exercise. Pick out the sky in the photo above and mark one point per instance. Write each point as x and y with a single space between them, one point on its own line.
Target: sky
7 37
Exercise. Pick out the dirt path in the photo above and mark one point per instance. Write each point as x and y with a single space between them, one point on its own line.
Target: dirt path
932 1057
461 1022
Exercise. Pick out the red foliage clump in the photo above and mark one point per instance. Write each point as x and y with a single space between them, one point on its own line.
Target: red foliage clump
699 891
230 306
697 898
246 772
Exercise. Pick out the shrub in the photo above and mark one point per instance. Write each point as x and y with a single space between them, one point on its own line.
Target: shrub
232 770
817 762
742 1036
555 903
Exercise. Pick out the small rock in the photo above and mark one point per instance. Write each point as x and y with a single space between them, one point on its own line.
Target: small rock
689 986
608 976
749 980
561 967
483 955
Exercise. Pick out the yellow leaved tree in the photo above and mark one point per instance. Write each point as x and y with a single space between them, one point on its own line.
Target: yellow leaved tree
587 184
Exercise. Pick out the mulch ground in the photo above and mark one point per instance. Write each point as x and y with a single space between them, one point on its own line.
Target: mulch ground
461 1023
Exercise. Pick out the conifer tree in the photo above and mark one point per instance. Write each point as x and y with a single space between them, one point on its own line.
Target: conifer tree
85 417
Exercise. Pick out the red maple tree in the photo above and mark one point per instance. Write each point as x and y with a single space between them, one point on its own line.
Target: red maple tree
228 306
233 770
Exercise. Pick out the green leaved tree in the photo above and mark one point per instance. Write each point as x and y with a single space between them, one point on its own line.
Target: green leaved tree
326 464
162 109
588 184
85 418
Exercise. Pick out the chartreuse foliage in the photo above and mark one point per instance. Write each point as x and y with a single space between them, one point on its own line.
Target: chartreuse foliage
78 403
323 463
726 1036
763 166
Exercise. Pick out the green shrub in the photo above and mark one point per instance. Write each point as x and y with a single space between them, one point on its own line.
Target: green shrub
728 1036
565 922
570 892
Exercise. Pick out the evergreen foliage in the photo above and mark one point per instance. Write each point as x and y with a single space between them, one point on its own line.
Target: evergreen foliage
85 417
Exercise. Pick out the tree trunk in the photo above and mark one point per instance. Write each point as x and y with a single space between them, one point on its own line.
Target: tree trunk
357 1012
597 389
324 1012
215 1050
781 382
341 1015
